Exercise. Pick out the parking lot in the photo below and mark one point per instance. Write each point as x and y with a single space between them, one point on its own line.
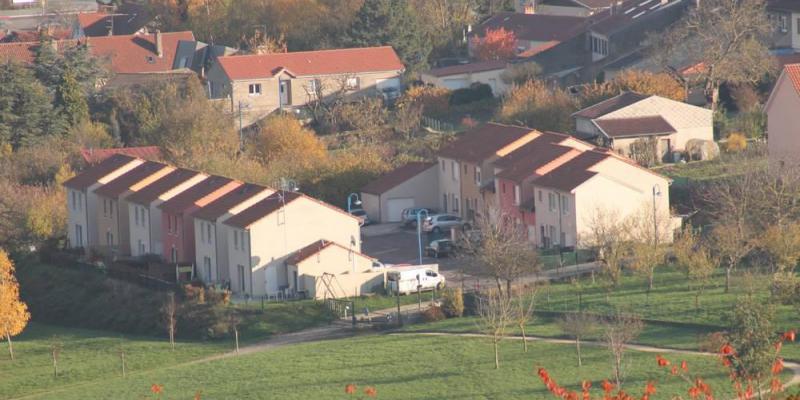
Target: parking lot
394 244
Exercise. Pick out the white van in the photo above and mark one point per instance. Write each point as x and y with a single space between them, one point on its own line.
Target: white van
407 279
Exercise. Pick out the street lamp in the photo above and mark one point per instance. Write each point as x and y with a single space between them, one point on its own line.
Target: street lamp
656 193
419 230
242 106
350 201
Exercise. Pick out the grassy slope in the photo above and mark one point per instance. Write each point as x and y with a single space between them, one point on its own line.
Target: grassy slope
86 356
400 367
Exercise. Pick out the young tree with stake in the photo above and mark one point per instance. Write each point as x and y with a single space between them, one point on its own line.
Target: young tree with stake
14 313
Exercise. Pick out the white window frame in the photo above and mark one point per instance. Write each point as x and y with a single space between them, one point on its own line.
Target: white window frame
352 83
551 199
517 195
564 205
254 89
477 175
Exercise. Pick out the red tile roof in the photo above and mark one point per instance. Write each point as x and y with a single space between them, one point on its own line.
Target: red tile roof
126 53
222 205
124 182
468 68
396 177
262 209
137 53
315 248
101 24
306 63
632 127
573 173
529 149
90 176
481 142
793 73
149 193
536 27
610 105
192 196
94 156
534 158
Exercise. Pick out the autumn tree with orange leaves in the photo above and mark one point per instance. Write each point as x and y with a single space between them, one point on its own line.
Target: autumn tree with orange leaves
495 44
14 313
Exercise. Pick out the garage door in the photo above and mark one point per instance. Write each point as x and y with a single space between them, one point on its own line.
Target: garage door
454 84
395 207
388 83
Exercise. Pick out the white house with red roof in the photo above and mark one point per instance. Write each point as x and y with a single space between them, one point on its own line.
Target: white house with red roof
783 138
262 83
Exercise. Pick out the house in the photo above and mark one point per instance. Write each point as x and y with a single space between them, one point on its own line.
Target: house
415 184
466 178
263 236
326 269
128 18
622 120
570 197
575 8
785 18
783 141
93 156
463 76
144 214
257 85
211 235
113 221
82 200
177 223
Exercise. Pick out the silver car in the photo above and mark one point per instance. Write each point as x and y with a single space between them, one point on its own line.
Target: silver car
441 222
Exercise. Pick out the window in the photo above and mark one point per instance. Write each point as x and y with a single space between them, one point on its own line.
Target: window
455 203
517 195
174 254
477 175
564 205
74 202
314 86
169 223
78 236
208 229
136 215
105 207
503 186
551 197
240 269
144 217
599 46
540 196
553 233
207 268
236 240
352 83
142 249
444 202
443 166
453 169
255 89
798 26
109 239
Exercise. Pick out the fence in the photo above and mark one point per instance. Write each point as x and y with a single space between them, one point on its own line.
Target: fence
342 308
436 125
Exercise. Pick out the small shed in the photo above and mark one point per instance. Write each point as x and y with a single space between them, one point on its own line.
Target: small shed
415 184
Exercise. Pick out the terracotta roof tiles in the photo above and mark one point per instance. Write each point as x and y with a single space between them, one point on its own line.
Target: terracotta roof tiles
793 72
481 142
262 209
217 208
192 196
633 127
610 105
152 191
307 63
468 68
573 173
123 183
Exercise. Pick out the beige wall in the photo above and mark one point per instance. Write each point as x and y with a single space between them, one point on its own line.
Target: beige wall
273 238
347 285
77 218
782 122
351 271
94 239
300 91
149 233
450 172
215 248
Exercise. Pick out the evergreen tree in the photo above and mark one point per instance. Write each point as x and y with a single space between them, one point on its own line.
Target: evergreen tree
70 98
26 109
391 22
47 63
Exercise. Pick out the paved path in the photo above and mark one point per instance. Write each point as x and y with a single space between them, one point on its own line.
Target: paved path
791 366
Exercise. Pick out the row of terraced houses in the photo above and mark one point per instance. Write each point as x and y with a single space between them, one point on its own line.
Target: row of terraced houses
260 241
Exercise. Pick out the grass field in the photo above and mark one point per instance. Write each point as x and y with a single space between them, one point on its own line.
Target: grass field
400 367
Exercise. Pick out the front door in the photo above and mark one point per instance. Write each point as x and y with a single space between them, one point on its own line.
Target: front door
284 91
666 150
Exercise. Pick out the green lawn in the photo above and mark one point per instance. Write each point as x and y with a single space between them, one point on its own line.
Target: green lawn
400 367
713 169
87 356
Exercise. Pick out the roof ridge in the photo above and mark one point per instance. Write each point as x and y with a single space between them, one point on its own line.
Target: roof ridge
302 52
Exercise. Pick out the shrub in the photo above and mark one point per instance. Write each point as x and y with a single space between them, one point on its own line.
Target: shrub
736 143
434 100
471 302
453 303
476 92
433 314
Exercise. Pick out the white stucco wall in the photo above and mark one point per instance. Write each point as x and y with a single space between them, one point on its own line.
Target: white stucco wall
783 122
449 171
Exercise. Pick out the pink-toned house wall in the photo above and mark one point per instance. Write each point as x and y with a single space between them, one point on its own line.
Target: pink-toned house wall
782 122
506 201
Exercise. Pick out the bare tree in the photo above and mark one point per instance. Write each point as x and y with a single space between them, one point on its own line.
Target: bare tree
56 345
651 232
121 352
732 242
693 256
501 250
618 331
496 313
609 236
578 326
169 312
524 306
735 51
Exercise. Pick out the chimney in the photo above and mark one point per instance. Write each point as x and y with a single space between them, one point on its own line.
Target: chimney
159 44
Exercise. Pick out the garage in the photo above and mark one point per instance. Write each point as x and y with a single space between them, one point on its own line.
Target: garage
395 208
456 83
388 83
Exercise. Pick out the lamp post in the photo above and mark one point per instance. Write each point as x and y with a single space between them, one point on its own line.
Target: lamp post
288 185
242 106
419 231
656 193
350 201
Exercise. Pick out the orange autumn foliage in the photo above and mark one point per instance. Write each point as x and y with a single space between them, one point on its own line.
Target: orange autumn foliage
14 315
496 44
